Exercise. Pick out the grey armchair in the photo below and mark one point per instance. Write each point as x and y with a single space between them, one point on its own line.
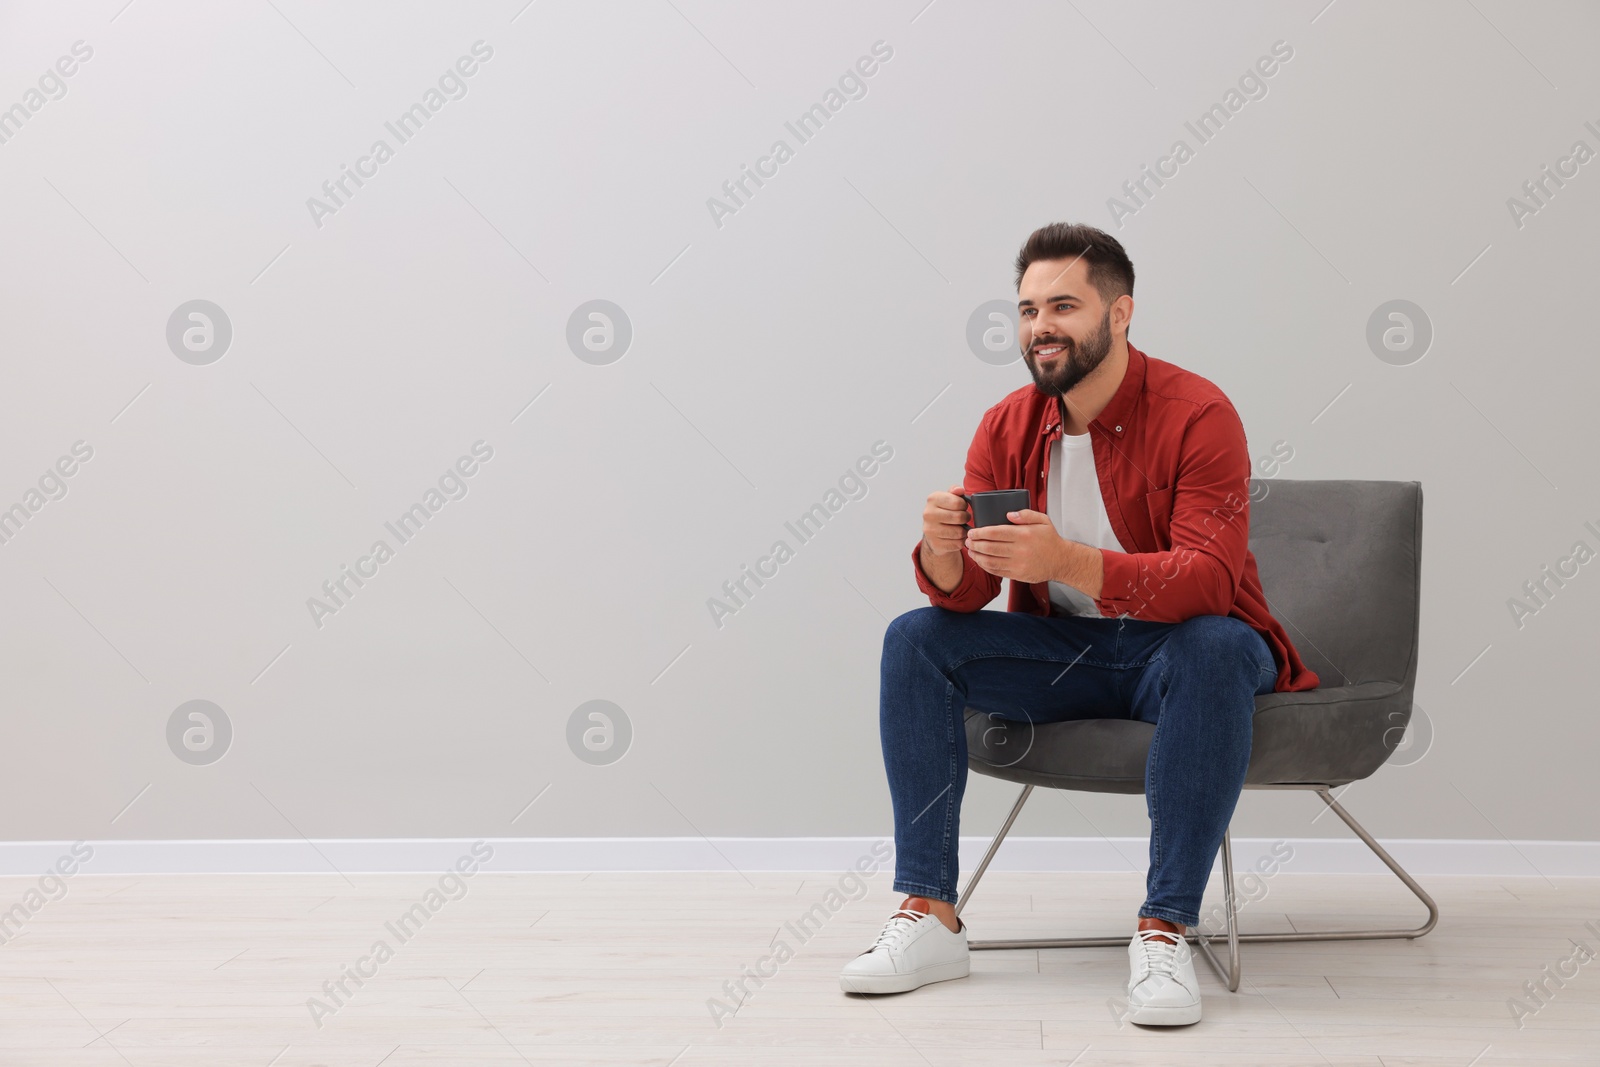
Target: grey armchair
1340 563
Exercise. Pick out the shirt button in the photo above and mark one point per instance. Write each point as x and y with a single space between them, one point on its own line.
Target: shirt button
1119 429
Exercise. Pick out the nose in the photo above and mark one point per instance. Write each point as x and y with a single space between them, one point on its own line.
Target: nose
1043 331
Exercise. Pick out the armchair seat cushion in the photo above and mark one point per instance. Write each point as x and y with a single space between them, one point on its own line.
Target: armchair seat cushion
1330 736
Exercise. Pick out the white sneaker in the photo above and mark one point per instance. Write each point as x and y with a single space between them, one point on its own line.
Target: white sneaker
1162 989
915 948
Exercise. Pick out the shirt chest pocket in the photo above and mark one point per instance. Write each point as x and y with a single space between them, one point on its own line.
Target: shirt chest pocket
1158 505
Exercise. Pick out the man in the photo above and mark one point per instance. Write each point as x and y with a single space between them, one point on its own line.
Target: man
1133 595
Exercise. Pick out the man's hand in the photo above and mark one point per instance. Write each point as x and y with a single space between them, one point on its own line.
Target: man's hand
1030 551
944 518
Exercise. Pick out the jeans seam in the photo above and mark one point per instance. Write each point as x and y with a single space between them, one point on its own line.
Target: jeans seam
1150 784
917 889
1115 665
952 775
1171 916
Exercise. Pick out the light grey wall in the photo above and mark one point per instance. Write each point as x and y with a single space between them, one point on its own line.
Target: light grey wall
374 345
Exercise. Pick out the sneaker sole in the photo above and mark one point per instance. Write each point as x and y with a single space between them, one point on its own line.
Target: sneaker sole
1164 1015
904 983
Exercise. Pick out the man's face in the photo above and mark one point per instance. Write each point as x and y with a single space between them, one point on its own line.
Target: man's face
1064 327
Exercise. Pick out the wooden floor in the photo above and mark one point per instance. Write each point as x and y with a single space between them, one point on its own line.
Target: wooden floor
578 969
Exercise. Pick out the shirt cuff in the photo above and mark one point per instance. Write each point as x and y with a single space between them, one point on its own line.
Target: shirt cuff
1120 573
964 589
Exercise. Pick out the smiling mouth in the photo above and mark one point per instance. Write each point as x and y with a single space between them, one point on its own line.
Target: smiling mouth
1045 353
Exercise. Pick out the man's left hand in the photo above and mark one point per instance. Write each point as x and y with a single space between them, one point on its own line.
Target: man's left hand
1030 551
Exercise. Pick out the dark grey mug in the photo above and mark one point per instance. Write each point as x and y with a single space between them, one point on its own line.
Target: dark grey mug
990 506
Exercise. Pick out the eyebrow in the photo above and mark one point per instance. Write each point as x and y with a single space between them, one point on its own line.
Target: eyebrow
1052 300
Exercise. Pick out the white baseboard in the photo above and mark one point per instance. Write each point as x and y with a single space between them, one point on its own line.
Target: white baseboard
1488 858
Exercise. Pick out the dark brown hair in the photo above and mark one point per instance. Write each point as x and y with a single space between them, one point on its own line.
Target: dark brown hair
1110 269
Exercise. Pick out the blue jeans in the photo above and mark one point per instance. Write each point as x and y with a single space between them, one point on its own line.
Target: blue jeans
1196 681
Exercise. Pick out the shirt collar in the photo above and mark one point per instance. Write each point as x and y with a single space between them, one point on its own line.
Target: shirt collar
1117 417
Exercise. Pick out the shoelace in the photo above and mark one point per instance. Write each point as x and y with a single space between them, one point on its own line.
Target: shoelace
1159 956
898 926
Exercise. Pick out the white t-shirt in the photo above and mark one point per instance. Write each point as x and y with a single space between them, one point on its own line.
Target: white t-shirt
1078 511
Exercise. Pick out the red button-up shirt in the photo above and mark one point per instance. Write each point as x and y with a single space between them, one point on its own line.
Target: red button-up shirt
1174 471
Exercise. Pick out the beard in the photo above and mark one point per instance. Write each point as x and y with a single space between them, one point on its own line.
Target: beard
1073 363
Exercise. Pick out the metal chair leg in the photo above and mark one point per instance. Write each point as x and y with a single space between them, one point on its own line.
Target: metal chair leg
1232 973
1388 861
994 846
1230 908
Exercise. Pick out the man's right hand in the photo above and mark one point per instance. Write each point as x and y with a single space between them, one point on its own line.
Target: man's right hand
944 520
